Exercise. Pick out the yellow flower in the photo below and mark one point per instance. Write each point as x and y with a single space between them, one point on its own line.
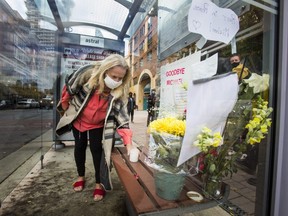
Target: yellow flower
169 125
252 140
206 130
264 129
268 122
185 86
208 142
216 142
206 139
199 136
258 126
196 142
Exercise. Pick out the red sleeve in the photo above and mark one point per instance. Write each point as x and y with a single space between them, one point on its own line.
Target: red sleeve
65 98
126 135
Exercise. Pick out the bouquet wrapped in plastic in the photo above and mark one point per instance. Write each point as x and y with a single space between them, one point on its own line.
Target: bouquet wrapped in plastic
165 140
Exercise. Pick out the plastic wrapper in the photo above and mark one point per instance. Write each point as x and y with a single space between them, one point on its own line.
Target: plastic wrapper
163 152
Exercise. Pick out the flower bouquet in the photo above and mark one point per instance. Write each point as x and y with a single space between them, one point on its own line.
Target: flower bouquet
217 161
166 136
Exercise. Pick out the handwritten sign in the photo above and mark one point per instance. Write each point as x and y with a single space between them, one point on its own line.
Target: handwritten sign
173 77
177 74
212 22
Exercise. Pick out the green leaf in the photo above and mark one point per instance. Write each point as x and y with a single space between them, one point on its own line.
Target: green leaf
212 168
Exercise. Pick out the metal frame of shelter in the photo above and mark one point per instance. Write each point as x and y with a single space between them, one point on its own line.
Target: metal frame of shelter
134 8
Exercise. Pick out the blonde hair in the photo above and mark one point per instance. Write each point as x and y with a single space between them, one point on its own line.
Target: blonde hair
96 80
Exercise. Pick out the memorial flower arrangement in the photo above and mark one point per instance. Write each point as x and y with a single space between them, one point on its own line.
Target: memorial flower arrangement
246 125
218 159
166 136
165 142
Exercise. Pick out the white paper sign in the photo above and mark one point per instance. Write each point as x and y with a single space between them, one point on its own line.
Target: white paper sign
212 22
174 75
208 105
206 68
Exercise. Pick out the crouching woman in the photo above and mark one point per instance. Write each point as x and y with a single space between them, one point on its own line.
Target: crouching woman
93 104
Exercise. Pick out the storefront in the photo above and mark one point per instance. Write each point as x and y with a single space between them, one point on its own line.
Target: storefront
261 42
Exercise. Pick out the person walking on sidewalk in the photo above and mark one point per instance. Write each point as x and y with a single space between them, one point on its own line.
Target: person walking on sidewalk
131 106
94 104
151 105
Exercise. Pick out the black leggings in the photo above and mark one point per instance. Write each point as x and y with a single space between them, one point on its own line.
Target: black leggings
95 141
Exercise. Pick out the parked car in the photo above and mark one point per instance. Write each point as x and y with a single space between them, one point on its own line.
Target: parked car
28 103
46 103
5 104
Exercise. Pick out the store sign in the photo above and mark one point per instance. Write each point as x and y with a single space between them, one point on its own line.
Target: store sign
91 41
212 22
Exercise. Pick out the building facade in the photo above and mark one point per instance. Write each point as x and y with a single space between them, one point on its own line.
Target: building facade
142 56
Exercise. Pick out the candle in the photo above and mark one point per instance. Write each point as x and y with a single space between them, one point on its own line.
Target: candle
134 155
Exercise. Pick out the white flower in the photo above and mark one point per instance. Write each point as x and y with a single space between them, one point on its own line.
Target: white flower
257 82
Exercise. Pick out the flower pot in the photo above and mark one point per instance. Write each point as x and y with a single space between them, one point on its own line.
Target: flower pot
169 186
212 187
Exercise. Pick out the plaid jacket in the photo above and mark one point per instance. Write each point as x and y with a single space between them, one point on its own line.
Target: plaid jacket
116 117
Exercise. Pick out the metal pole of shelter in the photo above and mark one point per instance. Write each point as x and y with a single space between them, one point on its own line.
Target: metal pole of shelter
59 34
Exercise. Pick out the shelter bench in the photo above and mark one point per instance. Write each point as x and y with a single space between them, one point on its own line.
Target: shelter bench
141 198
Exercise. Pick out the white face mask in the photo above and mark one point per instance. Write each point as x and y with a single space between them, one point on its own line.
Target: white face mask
110 83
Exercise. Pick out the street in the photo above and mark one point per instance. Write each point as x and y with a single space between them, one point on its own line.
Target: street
19 126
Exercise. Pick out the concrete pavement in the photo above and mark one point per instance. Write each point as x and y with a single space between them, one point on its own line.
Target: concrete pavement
45 187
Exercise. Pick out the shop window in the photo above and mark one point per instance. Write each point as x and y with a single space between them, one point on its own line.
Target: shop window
149 22
149 56
136 52
149 40
136 39
141 47
142 31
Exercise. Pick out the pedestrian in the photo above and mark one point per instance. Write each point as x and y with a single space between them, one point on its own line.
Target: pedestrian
131 105
95 106
151 105
136 106
152 99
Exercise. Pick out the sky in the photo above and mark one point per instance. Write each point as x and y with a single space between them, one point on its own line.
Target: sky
18 5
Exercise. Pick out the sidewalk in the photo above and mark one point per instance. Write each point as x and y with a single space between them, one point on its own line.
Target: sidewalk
47 189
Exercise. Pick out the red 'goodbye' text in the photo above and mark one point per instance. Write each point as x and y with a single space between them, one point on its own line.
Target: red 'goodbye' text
175 72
